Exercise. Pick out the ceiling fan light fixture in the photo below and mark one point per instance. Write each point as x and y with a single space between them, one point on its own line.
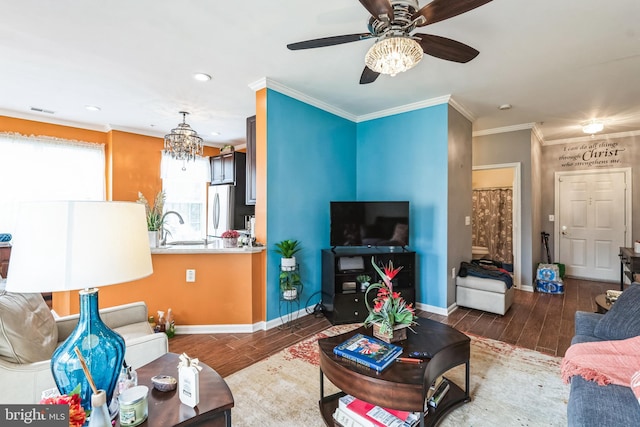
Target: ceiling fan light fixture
592 126
393 55
183 143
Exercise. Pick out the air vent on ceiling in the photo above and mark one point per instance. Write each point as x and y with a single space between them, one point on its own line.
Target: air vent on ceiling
42 110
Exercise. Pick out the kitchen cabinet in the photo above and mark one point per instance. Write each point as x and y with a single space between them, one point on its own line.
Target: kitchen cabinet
228 168
251 161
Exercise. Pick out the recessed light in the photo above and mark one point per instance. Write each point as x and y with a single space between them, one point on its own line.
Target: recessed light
92 108
504 107
202 77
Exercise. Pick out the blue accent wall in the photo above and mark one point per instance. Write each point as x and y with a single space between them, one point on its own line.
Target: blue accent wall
314 157
404 157
311 158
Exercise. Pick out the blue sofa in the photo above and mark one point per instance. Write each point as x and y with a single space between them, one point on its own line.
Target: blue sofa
612 405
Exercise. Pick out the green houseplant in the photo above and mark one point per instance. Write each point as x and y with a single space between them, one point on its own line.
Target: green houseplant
290 284
287 249
153 213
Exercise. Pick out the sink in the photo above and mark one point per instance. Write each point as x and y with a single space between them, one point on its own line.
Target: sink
187 242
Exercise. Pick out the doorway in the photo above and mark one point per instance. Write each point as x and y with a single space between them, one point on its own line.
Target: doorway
496 180
594 220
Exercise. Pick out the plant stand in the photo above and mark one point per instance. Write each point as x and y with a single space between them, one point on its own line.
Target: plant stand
289 304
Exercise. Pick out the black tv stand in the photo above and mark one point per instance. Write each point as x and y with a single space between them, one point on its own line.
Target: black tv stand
341 303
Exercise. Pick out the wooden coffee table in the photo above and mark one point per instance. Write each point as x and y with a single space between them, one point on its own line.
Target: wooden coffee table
402 386
165 408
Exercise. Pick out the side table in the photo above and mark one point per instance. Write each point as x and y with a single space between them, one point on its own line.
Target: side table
165 408
602 304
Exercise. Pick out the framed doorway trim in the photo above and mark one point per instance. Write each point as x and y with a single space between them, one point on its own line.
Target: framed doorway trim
517 219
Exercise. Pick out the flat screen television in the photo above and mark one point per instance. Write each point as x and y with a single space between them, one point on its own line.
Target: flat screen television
369 224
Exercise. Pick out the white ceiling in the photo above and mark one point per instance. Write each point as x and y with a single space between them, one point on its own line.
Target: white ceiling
559 63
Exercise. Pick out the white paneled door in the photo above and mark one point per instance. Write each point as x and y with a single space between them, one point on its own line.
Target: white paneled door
592 214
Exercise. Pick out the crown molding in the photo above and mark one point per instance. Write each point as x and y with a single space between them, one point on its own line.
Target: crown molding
52 120
462 110
588 138
505 129
285 90
405 108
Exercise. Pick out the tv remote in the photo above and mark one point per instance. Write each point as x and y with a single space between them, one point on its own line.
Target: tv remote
421 354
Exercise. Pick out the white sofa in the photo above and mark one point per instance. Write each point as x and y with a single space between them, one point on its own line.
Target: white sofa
24 383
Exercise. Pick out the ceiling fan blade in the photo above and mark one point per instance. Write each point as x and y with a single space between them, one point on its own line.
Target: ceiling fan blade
329 41
368 76
439 10
379 8
444 48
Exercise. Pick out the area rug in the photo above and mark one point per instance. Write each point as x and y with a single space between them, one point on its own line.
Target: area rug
510 386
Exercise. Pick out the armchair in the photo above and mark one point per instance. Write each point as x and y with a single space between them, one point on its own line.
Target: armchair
24 383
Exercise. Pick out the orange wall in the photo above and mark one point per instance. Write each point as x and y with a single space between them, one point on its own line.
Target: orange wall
221 295
229 288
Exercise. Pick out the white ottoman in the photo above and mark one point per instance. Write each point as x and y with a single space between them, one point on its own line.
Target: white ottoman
483 294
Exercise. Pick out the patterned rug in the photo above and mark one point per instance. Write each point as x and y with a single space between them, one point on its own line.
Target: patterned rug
510 386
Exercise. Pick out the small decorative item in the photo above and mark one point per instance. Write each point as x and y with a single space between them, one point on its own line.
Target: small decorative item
189 380
77 416
164 383
364 281
636 246
230 239
134 406
228 148
390 314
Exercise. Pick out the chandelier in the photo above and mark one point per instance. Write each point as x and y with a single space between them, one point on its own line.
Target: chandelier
183 143
393 55
592 126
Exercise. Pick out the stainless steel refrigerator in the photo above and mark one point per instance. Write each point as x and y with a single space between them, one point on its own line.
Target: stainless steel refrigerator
227 209
221 209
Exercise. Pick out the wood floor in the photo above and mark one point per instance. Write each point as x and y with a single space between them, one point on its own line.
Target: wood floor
536 321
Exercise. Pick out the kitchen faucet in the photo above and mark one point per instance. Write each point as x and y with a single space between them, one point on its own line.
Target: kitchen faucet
163 232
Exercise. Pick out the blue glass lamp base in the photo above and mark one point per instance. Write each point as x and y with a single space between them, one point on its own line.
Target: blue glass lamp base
102 349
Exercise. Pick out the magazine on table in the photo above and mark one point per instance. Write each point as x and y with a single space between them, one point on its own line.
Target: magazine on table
368 351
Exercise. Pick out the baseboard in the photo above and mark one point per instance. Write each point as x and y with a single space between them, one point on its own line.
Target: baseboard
238 328
436 310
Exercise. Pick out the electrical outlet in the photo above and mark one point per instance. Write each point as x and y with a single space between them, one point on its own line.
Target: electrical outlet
453 272
552 218
191 275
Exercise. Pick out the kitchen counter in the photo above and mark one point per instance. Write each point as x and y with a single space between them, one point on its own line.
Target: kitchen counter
214 247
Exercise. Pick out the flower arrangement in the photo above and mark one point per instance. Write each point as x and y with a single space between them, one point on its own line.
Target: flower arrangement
153 213
230 234
77 415
389 308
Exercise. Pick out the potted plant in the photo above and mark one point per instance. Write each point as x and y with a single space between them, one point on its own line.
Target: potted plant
287 249
153 215
230 239
364 281
390 314
290 284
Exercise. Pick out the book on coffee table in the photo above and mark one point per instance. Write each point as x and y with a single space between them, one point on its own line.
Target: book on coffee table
368 351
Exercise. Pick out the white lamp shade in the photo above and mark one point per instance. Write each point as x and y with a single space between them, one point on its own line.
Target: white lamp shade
61 246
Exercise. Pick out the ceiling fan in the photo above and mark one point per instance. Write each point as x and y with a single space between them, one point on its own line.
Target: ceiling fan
397 49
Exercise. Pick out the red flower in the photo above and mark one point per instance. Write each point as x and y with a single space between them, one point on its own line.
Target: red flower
77 416
391 272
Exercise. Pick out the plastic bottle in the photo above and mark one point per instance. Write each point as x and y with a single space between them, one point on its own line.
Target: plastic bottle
128 378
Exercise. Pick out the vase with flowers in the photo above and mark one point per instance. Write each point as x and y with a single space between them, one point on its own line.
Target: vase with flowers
154 216
390 314
230 239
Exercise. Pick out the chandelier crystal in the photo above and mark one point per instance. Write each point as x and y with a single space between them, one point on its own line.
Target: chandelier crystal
393 55
183 143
